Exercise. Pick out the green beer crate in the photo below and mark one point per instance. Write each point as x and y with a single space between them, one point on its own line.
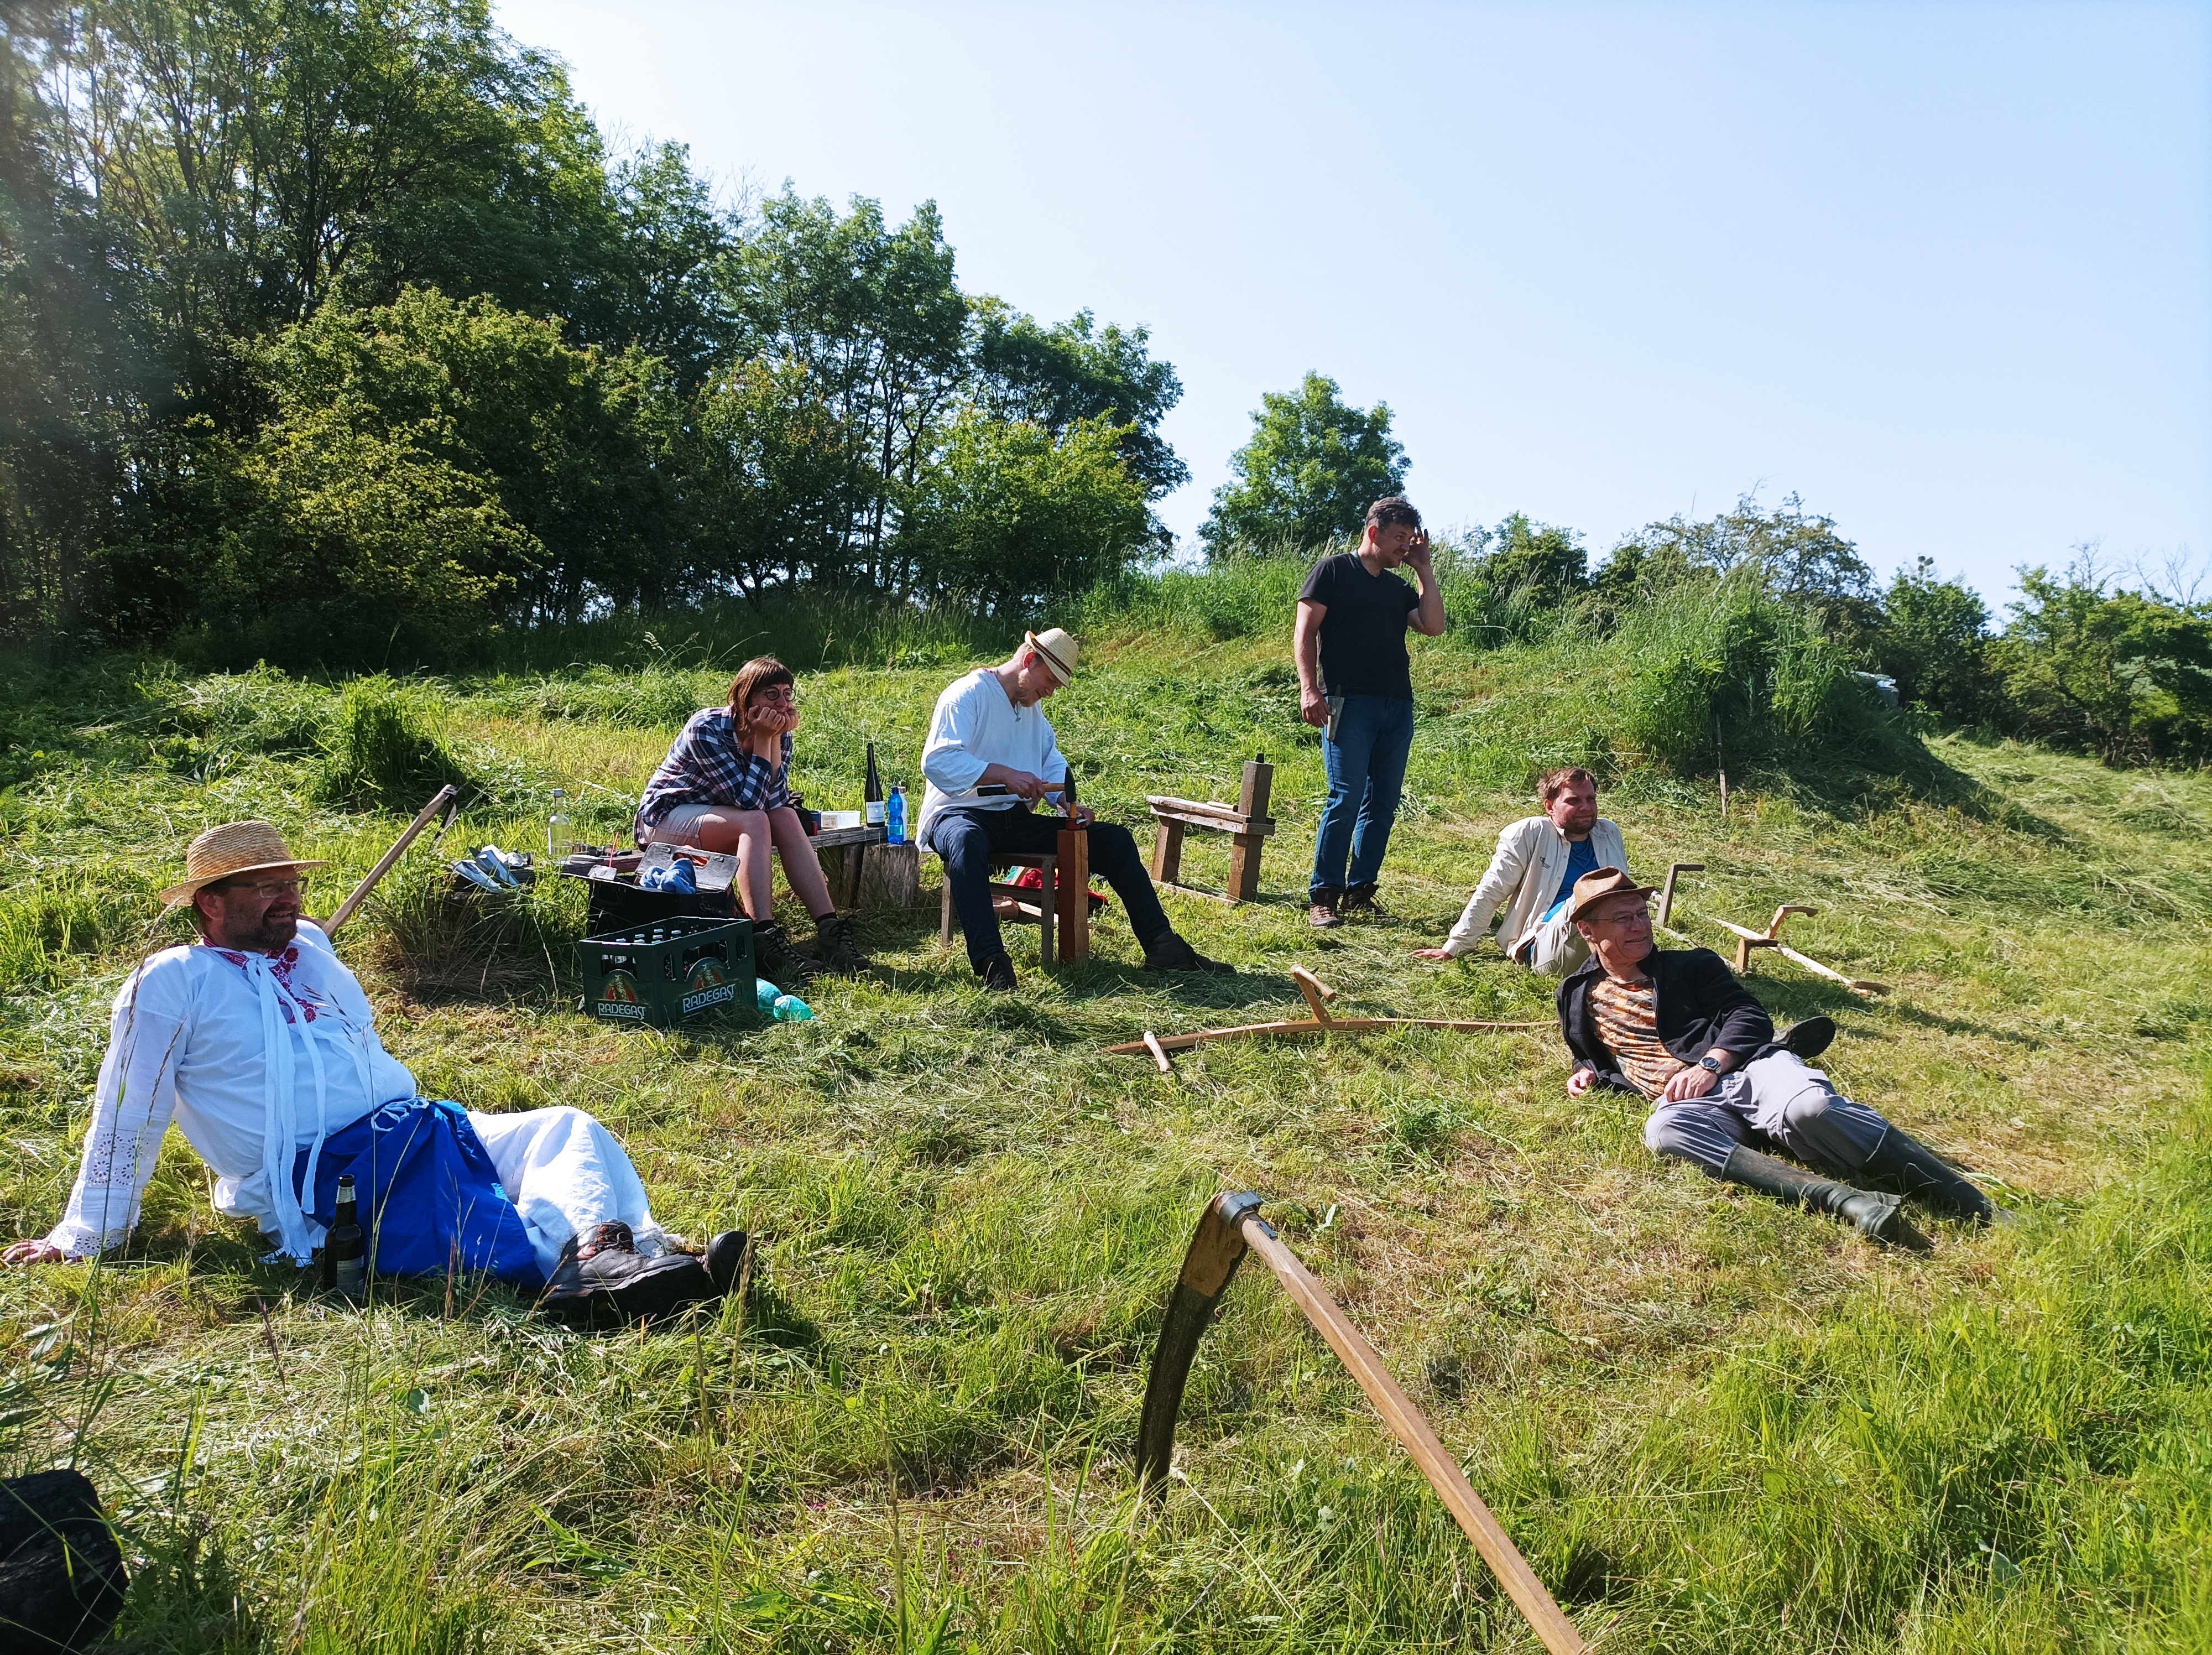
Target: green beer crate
668 970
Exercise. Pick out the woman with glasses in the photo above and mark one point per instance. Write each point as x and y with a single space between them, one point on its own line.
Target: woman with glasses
725 785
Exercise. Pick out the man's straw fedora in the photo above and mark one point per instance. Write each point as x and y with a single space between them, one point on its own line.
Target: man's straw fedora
233 848
1058 650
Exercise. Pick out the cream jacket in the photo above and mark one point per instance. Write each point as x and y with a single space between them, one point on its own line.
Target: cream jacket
1523 880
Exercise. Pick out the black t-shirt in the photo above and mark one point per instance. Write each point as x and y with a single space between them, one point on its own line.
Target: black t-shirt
1363 636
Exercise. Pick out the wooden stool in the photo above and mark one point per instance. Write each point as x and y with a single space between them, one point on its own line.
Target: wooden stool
1247 823
1062 906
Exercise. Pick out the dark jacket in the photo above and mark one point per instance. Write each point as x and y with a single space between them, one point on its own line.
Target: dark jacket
1701 1004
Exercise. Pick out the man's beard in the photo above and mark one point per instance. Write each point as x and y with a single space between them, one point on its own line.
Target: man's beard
268 936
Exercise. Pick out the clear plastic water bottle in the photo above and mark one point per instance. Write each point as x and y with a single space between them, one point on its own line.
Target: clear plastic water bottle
556 824
895 815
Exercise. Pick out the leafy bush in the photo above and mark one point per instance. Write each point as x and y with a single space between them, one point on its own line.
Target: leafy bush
387 748
1312 468
1729 670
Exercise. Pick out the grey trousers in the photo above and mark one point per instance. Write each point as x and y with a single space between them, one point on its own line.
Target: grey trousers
1552 947
1777 1102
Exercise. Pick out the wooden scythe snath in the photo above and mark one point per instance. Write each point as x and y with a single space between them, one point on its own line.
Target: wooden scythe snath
1746 939
1231 1225
1318 994
445 796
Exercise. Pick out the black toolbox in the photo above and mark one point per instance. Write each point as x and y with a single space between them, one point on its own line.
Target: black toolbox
666 971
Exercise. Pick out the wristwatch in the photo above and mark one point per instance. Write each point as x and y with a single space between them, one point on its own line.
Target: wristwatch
1709 1062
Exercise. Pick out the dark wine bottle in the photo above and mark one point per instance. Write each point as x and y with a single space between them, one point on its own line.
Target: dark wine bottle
345 1250
871 796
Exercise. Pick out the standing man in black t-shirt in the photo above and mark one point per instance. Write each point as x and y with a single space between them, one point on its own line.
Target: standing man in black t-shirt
1356 680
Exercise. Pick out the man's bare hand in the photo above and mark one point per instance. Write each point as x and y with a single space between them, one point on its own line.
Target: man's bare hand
1685 1083
1437 954
1082 813
1581 1081
1313 706
1025 785
1417 551
32 1252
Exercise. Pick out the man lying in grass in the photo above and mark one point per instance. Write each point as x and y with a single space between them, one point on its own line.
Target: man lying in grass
1531 884
263 1047
725 785
989 733
1678 1027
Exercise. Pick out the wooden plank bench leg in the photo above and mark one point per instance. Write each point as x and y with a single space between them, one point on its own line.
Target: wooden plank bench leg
1073 894
1167 852
1244 866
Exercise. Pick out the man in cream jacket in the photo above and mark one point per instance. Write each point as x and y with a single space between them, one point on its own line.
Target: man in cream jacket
1531 883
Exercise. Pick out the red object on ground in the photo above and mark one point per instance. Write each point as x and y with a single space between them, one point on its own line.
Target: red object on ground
1032 879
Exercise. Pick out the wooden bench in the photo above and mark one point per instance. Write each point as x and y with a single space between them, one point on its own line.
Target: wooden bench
1246 824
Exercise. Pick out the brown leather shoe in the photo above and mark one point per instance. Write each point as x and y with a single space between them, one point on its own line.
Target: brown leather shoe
1322 915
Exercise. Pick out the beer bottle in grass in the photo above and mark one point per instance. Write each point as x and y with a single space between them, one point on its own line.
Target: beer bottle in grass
345 1250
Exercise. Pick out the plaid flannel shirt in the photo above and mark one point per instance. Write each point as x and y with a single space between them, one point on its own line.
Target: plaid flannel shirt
706 766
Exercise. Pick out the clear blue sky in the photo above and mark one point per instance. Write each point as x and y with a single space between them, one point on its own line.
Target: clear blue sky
1944 270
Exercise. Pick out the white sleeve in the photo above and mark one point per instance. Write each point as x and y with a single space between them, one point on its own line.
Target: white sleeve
946 759
131 1111
1498 884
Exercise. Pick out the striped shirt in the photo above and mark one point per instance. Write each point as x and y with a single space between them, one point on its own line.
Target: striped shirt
708 766
1627 1016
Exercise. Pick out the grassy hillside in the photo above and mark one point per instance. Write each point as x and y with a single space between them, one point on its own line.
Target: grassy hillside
1711 1424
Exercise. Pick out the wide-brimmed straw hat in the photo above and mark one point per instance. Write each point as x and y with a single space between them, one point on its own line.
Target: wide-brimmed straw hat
1593 888
233 848
1058 649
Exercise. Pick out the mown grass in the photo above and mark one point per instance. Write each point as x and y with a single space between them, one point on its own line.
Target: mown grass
1711 1424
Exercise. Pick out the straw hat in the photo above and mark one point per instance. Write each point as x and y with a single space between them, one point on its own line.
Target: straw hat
1058 650
233 848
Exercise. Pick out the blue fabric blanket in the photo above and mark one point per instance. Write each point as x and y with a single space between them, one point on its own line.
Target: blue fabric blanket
430 1197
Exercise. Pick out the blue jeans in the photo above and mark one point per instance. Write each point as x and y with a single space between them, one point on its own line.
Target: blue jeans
965 839
1367 773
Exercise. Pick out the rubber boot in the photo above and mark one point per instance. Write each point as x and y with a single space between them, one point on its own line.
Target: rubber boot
774 958
840 953
1920 1172
1876 1216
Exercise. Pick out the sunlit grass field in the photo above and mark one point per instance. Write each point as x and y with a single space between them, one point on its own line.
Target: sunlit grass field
1711 1423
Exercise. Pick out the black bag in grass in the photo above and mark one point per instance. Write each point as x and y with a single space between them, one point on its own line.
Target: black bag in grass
62 1578
602 1281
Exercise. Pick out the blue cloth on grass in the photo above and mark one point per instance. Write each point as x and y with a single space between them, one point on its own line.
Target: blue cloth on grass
431 1198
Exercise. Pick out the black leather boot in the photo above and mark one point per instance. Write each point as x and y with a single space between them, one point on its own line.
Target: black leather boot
602 1281
839 951
1920 1172
1878 1217
1172 953
774 958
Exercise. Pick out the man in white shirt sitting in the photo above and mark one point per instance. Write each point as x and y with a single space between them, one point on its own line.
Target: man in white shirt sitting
1530 886
988 732
262 1047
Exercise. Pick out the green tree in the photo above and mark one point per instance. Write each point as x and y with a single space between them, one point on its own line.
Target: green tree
2121 674
1934 640
1077 370
1312 468
769 477
872 315
1008 518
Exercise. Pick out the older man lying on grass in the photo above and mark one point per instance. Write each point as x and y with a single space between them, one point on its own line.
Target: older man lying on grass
1678 1027
263 1048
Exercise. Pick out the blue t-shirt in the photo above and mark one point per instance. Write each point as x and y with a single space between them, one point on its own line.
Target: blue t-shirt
1582 858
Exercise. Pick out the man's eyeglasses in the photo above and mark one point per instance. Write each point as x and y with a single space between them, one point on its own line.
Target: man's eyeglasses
270 890
1622 917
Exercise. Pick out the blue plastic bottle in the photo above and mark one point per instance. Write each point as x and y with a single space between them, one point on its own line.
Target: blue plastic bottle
783 1008
895 816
